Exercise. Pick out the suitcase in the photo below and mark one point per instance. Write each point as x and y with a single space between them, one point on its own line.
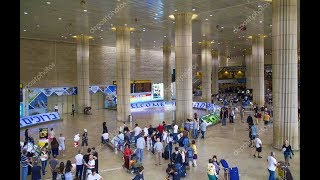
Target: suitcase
234 173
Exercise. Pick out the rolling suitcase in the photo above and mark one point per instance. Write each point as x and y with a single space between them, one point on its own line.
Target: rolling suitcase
234 173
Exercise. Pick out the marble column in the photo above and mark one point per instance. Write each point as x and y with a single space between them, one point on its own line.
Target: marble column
285 73
248 61
123 72
258 69
83 95
206 63
214 74
167 70
183 65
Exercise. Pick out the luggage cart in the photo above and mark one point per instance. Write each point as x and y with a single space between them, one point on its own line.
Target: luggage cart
230 173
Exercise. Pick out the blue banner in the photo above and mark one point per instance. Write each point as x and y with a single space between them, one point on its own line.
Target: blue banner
39 118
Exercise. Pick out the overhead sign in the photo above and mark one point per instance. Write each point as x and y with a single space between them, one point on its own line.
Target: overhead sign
39 118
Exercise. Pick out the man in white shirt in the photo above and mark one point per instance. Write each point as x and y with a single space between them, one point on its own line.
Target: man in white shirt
56 108
94 175
175 132
140 146
79 164
105 137
258 144
91 164
272 165
137 130
158 148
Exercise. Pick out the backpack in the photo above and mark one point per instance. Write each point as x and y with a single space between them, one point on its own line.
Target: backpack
189 152
185 142
180 141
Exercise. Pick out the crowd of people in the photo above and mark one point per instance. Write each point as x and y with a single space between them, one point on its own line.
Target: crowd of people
166 141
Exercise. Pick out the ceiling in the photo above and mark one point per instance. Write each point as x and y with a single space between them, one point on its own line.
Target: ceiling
59 20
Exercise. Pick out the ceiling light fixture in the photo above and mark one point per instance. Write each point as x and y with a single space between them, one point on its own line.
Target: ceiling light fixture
25 12
206 19
85 10
222 27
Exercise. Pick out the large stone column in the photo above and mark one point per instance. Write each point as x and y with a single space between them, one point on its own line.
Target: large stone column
183 65
83 72
167 69
123 72
248 60
206 63
214 74
258 69
285 73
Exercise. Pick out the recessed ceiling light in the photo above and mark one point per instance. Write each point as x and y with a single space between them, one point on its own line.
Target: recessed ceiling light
193 9
260 21
25 12
210 14
59 18
85 10
24 30
48 2
206 19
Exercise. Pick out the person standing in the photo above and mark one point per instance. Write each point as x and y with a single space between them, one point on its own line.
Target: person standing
90 165
287 151
272 165
211 171
266 119
44 160
158 149
140 147
79 164
195 153
56 108
67 171
73 110
203 128
53 163
195 128
164 137
241 114
169 141
175 132
137 131
55 147
127 152
26 135
62 146
95 156
231 116
85 163
84 138
160 130
35 171
51 135
225 116
24 164
254 133
258 145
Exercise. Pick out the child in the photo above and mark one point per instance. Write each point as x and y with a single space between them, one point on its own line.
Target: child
189 154
195 152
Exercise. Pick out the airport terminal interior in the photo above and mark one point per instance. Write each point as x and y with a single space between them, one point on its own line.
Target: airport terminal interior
210 77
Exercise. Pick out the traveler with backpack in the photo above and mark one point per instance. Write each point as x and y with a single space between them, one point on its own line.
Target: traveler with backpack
189 154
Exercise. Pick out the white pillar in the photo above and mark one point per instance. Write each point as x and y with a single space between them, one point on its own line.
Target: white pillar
83 72
123 72
183 66
167 70
248 60
206 63
285 73
214 76
258 69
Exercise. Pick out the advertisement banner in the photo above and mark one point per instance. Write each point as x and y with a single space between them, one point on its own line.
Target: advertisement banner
94 89
111 97
39 118
157 91
38 101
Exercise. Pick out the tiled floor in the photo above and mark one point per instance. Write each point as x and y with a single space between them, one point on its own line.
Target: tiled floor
228 142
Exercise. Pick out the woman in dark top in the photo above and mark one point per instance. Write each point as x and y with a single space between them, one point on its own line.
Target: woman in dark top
36 171
104 128
55 147
26 135
287 151
67 171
